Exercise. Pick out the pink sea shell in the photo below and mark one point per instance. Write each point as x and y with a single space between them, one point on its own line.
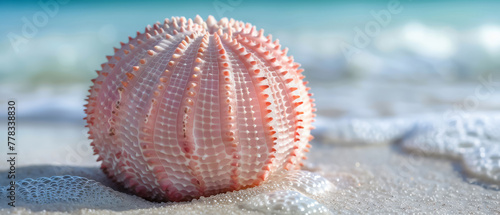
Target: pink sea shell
195 108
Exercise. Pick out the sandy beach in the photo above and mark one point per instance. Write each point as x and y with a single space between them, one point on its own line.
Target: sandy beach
359 164
378 179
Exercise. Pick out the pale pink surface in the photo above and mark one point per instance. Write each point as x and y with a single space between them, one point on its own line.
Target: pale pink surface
195 108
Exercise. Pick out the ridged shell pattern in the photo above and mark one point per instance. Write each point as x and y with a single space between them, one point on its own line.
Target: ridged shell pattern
195 108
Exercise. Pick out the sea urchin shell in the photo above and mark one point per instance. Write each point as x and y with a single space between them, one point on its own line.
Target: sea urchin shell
195 108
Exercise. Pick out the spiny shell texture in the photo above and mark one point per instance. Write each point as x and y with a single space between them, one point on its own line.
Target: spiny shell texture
195 108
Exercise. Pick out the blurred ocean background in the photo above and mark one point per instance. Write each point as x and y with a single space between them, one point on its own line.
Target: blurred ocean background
363 59
429 56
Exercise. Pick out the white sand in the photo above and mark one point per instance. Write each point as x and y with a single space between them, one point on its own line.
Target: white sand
380 178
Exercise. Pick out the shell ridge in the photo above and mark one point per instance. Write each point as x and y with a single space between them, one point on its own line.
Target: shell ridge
254 164
207 126
103 134
303 112
276 107
275 55
146 129
250 161
170 112
299 93
166 182
135 93
185 114
231 141
218 88
252 71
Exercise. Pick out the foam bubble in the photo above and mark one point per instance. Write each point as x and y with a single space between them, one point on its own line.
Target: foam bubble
484 161
306 182
473 138
284 202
